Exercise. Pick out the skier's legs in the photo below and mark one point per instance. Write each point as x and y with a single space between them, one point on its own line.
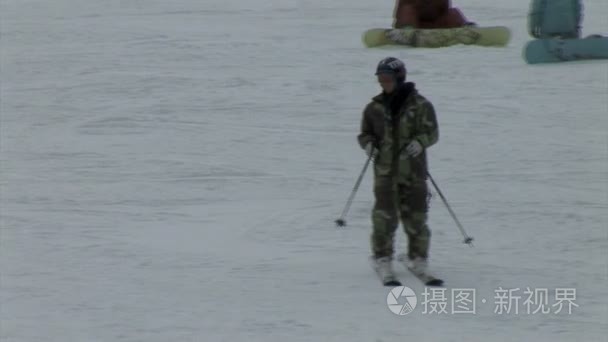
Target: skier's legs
384 217
413 208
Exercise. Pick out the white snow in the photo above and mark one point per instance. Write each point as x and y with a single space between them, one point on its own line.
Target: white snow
171 171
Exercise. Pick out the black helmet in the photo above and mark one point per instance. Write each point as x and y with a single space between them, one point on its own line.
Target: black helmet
394 66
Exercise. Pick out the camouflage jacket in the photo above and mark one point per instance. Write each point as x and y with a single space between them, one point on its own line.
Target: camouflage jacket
392 126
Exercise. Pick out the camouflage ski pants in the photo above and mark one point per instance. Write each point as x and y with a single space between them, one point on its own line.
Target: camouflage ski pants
408 202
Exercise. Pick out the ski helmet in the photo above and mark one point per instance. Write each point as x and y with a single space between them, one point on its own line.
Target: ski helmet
394 66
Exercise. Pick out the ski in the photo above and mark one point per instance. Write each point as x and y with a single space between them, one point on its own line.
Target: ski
425 277
386 279
391 283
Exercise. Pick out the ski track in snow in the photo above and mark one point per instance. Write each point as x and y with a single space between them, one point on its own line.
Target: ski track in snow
171 172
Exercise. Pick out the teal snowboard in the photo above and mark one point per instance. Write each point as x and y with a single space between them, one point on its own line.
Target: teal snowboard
554 50
434 38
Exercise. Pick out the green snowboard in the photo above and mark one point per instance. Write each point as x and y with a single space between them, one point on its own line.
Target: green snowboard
553 50
434 38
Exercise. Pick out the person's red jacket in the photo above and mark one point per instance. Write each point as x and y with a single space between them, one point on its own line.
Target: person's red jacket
429 14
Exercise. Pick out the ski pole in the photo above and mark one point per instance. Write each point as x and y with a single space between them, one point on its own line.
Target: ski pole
341 222
467 239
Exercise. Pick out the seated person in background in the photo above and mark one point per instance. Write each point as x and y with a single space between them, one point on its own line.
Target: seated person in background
555 18
428 14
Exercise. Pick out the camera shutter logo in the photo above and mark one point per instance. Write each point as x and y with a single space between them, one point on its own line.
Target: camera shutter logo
401 300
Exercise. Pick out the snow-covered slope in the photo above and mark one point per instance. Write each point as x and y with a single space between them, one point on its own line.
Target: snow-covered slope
171 171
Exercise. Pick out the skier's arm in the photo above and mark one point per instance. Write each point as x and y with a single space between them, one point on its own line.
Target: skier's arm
427 127
367 132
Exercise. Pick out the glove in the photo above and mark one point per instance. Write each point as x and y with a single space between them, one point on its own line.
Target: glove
370 150
414 148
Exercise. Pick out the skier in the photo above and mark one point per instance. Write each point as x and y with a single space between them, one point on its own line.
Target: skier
555 18
397 127
428 14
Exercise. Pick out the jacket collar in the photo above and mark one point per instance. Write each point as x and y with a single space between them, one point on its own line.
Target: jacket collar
407 89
